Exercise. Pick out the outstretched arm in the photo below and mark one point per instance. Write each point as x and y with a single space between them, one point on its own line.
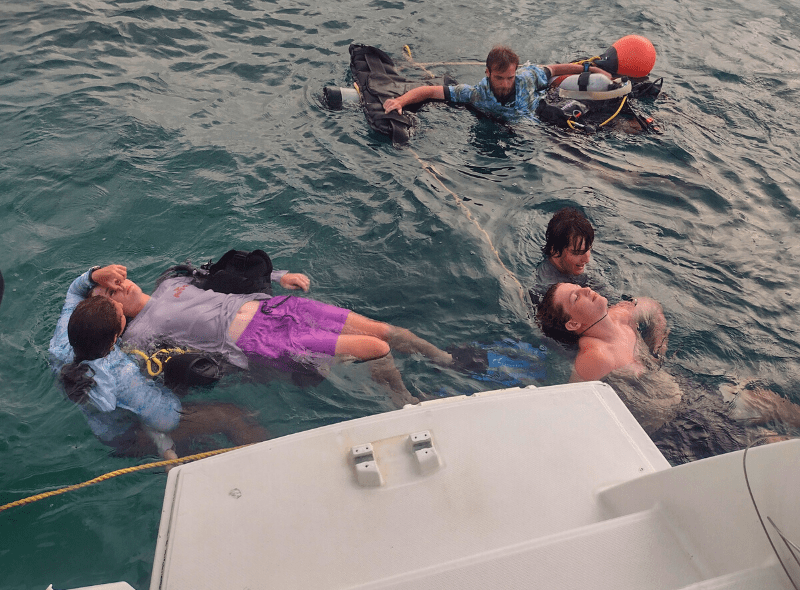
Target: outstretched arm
649 314
413 96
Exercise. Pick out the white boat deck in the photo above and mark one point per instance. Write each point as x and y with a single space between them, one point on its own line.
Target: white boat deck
555 487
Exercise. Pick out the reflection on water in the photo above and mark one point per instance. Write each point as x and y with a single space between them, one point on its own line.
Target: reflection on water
147 133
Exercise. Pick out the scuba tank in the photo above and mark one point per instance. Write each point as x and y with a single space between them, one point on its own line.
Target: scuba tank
589 86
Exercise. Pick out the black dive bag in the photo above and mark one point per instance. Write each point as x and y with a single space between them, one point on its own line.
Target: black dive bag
377 79
238 272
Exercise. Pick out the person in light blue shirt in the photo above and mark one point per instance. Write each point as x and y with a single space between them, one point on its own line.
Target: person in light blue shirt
124 409
509 92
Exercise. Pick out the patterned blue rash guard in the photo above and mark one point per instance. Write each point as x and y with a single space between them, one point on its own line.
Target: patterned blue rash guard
122 398
530 86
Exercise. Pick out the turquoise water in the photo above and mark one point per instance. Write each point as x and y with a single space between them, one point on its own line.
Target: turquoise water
145 133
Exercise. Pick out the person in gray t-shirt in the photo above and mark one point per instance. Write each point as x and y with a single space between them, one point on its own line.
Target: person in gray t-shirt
272 328
567 251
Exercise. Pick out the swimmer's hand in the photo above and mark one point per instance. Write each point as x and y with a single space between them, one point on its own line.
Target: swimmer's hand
170 454
393 104
660 347
110 276
295 280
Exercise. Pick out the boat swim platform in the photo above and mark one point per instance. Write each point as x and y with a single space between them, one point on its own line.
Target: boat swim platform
538 488
551 487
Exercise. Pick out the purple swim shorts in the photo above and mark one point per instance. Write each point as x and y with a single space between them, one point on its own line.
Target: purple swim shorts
293 326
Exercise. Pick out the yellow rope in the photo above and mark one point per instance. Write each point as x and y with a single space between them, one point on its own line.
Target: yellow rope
119 472
432 171
407 53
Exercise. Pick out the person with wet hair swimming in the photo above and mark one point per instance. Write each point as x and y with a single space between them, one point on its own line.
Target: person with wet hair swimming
281 329
624 345
608 338
566 252
126 411
509 92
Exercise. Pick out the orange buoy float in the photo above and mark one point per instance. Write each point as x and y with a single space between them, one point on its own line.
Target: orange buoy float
633 56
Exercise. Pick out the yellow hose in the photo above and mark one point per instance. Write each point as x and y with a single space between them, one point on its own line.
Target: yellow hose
621 104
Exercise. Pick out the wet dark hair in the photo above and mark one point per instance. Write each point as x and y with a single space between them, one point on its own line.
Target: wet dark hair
552 318
92 329
500 57
564 227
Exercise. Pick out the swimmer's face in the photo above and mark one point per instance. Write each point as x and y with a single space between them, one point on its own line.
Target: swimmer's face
502 82
573 259
127 294
581 304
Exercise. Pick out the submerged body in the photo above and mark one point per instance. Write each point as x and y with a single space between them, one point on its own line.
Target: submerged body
612 348
284 329
509 92
651 393
125 410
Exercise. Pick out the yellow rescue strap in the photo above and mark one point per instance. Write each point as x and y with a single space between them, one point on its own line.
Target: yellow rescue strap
156 361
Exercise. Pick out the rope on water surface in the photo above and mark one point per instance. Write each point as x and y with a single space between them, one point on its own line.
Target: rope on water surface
116 473
433 172
424 65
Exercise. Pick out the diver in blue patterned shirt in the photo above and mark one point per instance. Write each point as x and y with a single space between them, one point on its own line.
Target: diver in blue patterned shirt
508 92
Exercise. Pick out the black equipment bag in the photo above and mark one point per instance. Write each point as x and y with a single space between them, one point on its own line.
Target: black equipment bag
378 80
237 272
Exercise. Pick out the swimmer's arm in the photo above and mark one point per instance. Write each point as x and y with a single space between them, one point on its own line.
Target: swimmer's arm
295 280
557 70
413 96
591 365
648 312
164 444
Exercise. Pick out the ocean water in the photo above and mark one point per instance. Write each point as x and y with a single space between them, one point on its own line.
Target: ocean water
145 133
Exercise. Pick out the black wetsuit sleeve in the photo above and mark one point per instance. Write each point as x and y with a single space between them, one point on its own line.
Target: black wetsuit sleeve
447 96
